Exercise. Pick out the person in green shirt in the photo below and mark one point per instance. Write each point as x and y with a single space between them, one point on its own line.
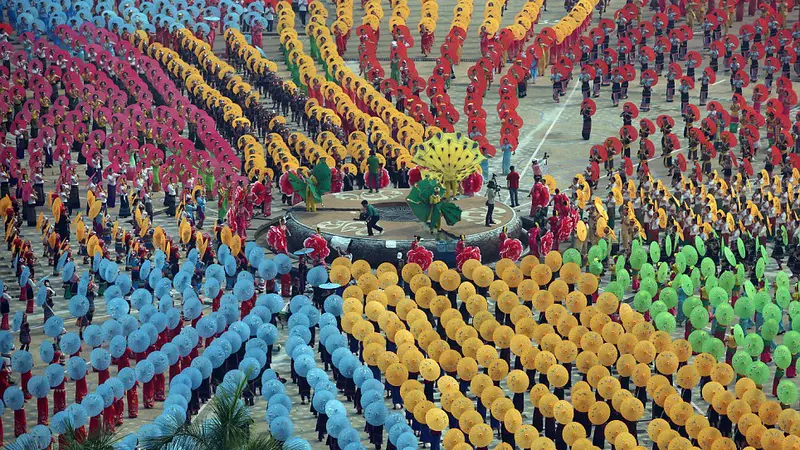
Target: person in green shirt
373 171
370 214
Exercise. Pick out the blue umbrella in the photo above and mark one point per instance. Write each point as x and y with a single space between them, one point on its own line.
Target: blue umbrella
70 343
78 306
283 263
46 351
62 260
24 276
16 322
69 271
144 270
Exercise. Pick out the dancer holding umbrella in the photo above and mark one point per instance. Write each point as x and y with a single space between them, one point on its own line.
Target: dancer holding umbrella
588 109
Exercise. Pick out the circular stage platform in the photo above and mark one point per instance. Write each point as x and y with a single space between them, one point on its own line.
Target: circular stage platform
334 218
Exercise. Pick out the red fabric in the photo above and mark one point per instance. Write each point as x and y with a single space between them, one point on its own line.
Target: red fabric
102 376
80 390
133 402
20 423
119 411
513 180
42 411
148 392
158 380
26 377
174 370
59 398
4 322
109 418
95 424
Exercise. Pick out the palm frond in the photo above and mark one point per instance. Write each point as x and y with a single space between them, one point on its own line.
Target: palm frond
227 426
103 439
262 441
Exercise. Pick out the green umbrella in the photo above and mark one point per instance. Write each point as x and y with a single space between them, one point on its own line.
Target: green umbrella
741 362
754 344
761 299
717 296
763 251
680 263
638 258
690 304
657 308
663 272
691 255
616 288
715 348
687 286
772 311
700 245
669 296
729 256
647 271
727 280
724 314
761 264
571 255
787 392
699 318
741 276
782 280
697 339
665 322
769 330
782 356
784 235
668 244
620 261
624 278
749 288
758 372
655 252
595 267
650 285
707 267
738 335
695 276
783 297
642 301
792 341
740 247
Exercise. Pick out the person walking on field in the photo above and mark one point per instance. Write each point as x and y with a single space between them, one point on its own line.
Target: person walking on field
512 183
370 214
373 171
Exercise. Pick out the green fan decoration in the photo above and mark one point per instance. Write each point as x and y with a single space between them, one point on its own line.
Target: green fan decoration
426 202
315 186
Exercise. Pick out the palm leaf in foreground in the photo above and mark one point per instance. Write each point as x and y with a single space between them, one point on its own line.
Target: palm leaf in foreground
228 427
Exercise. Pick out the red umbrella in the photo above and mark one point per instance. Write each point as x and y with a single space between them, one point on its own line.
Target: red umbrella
665 119
614 144
589 104
694 56
775 153
729 138
648 29
651 74
650 148
600 151
795 159
681 162
628 164
649 53
630 131
631 108
693 111
648 125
